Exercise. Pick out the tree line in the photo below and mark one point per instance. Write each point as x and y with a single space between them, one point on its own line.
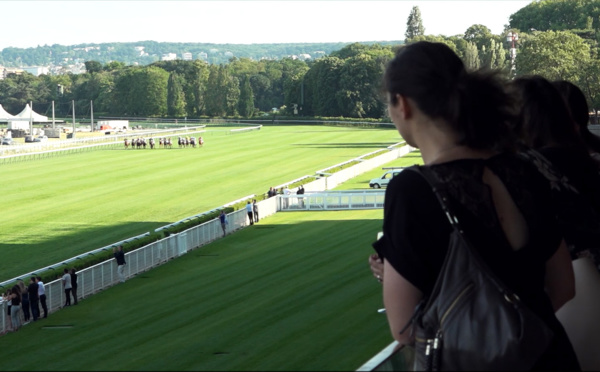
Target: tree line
345 83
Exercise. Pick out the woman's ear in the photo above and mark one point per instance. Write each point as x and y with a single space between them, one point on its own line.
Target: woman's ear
405 106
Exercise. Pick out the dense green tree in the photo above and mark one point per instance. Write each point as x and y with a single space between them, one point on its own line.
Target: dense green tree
175 96
553 55
216 93
261 88
246 102
17 90
113 65
471 59
293 71
414 24
322 82
96 87
438 39
232 93
93 66
141 91
197 95
557 15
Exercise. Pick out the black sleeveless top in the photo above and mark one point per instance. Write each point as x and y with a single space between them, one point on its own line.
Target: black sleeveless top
416 233
16 301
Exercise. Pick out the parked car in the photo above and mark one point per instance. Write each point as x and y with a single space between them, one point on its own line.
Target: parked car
40 139
382 181
8 141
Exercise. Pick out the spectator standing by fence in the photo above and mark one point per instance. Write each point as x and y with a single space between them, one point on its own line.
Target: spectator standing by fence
300 198
120 257
42 295
286 192
6 297
255 210
249 211
24 302
74 285
15 311
223 219
32 289
66 282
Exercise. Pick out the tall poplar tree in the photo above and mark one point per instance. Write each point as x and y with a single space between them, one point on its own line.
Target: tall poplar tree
175 96
246 101
414 25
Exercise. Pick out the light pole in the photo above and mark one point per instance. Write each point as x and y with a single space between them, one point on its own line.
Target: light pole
512 37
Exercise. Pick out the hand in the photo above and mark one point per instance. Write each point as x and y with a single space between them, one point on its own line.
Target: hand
376 265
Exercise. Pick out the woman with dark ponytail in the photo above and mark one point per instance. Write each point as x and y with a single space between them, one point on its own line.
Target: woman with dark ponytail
460 121
580 113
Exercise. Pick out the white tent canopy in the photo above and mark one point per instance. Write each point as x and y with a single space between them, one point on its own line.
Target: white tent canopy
4 115
29 113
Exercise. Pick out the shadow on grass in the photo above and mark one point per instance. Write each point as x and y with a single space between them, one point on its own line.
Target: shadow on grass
20 259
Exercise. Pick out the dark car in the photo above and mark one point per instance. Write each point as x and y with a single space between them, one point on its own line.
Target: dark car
8 141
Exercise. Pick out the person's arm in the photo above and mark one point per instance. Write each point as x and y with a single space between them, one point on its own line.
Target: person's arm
400 298
560 279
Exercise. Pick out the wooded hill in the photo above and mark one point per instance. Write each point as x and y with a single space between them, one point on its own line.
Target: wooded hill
147 52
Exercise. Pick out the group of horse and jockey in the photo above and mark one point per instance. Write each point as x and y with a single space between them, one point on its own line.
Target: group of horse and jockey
163 142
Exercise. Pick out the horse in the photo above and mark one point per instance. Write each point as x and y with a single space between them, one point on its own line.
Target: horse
126 143
187 141
180 142
193 141
200 141
151 143
168 143
144 142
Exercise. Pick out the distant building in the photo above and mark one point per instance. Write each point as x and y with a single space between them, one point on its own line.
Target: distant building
37 70
87 49
140 50
228 54
187 56
304 56
168 57
203 56
4 71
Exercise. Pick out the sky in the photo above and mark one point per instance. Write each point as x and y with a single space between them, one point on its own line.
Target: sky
27 24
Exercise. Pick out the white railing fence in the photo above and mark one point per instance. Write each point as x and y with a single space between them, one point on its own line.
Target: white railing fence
103 275
332 200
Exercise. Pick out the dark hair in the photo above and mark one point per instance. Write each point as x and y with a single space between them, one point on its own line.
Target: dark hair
544 117
474 104
580 112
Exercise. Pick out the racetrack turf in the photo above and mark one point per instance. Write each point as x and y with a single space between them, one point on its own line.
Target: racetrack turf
291 293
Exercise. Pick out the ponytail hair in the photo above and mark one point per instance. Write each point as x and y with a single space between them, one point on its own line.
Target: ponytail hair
474 105
544 117
580 112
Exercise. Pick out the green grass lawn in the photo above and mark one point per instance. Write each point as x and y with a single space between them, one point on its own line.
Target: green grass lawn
56 208
291 293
